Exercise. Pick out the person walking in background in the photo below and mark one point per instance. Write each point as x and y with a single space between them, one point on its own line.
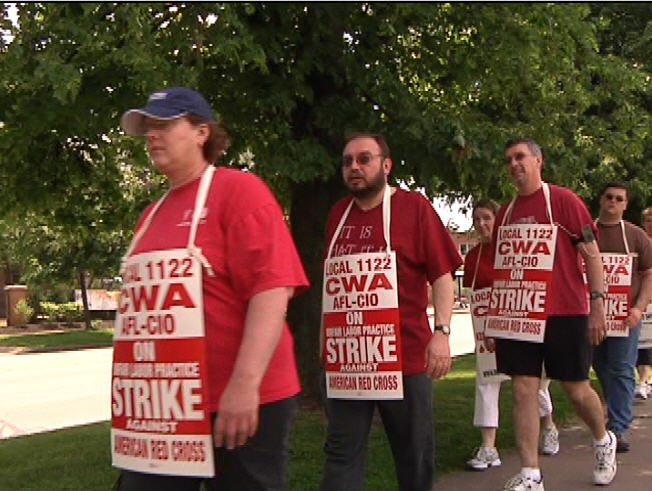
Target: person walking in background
539 308
384 245
644 360
218 244
478 275
627 256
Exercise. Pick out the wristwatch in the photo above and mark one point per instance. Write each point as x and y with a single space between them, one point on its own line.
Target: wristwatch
444 328
596 294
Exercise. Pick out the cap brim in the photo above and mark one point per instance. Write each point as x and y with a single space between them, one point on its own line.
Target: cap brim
133 121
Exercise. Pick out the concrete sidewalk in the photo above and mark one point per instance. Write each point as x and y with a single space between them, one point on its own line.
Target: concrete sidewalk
571 469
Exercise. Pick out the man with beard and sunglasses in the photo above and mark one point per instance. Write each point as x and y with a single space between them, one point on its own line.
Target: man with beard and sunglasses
385 245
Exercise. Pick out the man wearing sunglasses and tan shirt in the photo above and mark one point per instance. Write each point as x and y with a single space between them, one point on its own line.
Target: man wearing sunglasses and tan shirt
625 247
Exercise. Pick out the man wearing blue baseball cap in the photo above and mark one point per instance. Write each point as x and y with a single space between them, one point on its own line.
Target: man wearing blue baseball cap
204 377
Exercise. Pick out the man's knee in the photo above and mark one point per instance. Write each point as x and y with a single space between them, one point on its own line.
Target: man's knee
577 391
524 388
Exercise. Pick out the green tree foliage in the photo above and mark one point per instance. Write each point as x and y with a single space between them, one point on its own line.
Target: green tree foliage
448 83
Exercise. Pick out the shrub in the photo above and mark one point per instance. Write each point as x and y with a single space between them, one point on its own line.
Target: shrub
67 312
51 311
70 312
23 310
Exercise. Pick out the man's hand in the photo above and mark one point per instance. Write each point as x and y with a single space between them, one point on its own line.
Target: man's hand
438 356
597 322
237 417
634 317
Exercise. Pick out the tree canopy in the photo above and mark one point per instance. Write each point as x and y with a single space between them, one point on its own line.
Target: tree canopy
447 83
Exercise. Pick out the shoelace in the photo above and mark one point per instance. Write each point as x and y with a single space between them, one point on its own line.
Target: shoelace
601 454
514 481
549 437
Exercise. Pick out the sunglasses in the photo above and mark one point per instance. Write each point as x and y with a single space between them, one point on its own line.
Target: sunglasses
617 197
363 158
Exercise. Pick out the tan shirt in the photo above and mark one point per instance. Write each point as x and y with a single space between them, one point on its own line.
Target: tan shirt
610 239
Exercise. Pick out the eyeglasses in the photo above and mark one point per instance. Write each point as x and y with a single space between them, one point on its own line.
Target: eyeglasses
363 158
518 156
617 197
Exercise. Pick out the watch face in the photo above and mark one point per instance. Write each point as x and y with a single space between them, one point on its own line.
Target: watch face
443 328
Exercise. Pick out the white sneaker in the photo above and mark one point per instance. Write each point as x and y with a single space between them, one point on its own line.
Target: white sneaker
521 483
483 458
641 390
605 465
549 441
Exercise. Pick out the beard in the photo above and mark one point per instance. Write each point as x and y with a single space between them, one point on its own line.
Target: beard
373 187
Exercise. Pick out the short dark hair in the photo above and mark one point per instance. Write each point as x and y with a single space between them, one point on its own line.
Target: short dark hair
533 146
487 204
377 137
617 185
218 140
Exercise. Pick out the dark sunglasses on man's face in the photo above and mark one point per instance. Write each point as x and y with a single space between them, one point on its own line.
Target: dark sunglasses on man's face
617 197
363 158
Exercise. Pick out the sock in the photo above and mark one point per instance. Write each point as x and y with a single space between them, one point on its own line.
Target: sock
531 472
604 440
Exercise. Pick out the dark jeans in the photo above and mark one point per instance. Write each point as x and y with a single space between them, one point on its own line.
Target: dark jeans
410 430
259 465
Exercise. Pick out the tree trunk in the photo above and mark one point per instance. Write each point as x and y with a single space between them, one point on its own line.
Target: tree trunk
87 313
309 208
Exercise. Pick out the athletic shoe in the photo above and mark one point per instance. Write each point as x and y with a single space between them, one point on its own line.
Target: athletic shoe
549 441
642 390
622 445
521 483
605 466
483 458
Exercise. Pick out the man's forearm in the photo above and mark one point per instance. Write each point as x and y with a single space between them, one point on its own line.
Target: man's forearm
645 293
443 296
594 269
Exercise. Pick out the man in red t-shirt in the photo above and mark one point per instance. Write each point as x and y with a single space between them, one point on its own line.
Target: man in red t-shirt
565 351
425 254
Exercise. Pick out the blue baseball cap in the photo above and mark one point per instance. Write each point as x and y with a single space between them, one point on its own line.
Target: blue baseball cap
169 103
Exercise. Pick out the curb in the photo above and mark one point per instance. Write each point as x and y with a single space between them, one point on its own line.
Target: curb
23 350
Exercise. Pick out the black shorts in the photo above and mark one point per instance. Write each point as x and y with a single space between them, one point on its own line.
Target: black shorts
566 352
644 356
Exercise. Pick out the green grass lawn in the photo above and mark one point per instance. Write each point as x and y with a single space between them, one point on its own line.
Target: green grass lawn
63 339
79 458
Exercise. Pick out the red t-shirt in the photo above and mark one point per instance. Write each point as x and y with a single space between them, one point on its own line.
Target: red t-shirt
424 252
243 235
484 278
568 295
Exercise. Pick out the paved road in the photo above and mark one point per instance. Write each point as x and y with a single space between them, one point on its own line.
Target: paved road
46 391
461 334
